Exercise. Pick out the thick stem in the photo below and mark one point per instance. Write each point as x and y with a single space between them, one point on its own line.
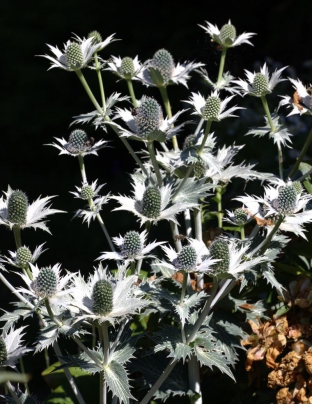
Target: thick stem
50 312
89 92
151 150
17 236
265 244
206 133
165 98
82 169
199 236
194 379
131 92
221 66
104 327
188 223
302 154
99 76
242 232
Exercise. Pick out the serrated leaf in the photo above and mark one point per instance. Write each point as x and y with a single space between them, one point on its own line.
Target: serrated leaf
117 381
190 302
268 274
213 358
192 190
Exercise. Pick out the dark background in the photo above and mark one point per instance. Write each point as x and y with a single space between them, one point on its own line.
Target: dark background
38 104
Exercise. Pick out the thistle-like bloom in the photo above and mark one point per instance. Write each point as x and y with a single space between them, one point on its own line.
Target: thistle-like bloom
147 123
161 70
132 247
193 257
22 256
76 54
226 37
151 203
16 211
260 84
286 199
47 283
239 217
301 101
79 143
11 346
106 297
125 68
212 108
87 191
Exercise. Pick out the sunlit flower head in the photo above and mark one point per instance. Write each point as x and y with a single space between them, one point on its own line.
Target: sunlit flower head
301 101
78 144
22 256
87 191
11 346
193 257
212 108
107 297
47 283
132 247
161 70
226 36
77 53
260 84
146 122
16 211
125 68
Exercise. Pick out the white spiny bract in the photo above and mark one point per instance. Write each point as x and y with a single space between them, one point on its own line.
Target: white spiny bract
125 68
226 37
123 302
12 347
161 71
88 191
279 200
47 283
301 101
132 247
76 54
22 256
260 84
28 215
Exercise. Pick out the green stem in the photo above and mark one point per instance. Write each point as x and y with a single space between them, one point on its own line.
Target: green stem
267 241
89 92
194 379
151 150
132 267
99 76
221 66
103 390
104 327
183 290
206 133
219 203
302 154
138 267
87 351
242 232
82 169
21 362
165 98
199 236
50 312
131 92
17 236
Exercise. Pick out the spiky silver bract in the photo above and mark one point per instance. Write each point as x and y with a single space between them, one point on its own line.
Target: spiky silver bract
14 347
123 68
18 258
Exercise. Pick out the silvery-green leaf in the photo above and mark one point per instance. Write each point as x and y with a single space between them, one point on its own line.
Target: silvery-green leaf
213 358
192 191
188 303
14 316
268 274
157 135
117 381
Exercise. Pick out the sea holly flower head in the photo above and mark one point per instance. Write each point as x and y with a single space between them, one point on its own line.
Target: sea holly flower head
226 36
125 68
301 101
11 346
132 247
107 297
47 283
78 144
239 217
260 84
16 211
151 203
22 256
193 257
212 108
161 70
76 54
146 123
88 191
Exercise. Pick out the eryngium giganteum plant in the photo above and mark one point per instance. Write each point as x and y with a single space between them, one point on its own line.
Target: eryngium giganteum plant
170 302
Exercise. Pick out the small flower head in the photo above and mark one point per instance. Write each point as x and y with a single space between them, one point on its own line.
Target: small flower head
16 211
211 110
132 245
87 191
149 117
260 84
11 347
74 56
163 63
96 37
22 256
226 36
240 216
126 68
151 202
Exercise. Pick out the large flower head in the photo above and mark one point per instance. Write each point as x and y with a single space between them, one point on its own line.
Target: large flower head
193 257
146 123
212 108
16 211
132 247
161 70
78 144
11 346
125 68
226 36
287 199
106 297
260 84
77 53
47 283
301 101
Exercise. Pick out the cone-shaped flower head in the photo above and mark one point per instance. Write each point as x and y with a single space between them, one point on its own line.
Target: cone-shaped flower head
74 56
151 203
11 346
228 34
297 187
127 68
46 283
87 192
148 117
78 142
240 217
219 249
132 245
211 110
96 37
163 62
23 256
102 296
286 200
186 259
260 85
17 207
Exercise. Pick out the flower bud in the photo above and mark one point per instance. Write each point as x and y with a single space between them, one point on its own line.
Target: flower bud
87 192
186 259
189 141
74 56
102 298
151 203
46 283
211 110
297 187
228 34
260 85
23 256
17 208
199 168
127 69
96 37
132 244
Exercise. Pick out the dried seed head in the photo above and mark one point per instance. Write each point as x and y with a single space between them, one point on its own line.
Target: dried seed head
23 256
211 110
219 249
186 259
127 69
151 203
148 117
132 244
163 62
46 283
74 56
87 192
102 298
260 85
17 208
